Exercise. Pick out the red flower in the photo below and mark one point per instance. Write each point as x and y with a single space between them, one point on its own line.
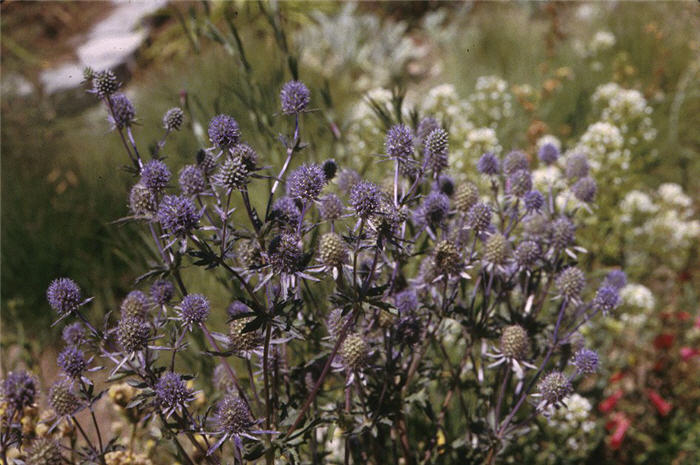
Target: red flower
663 341
688 352
618 434
608 404
661 405
617 376
683 316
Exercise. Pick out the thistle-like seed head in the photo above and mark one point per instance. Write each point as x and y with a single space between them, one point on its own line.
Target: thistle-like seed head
514 342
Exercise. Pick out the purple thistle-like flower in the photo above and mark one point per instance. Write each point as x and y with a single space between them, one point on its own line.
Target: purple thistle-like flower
616 279
295 97
398 143
606 299
142 200
548 153
406 301
533 200
519 183
562 232
18 389
365 198
347 178
193 310
223 131
554 387
479 216
192 180
246 153
570 283
585 189
331 207
72 361
162 291
132 334
306 182
586 361
135 304
171 393
527 253
285 253
104 83
123 112
233 416
237 308
515 161
63 295
178 215
172 120
43 451
425 127
286 213
576 166
63 400
436 150
74 334
488 164
155 175
433 212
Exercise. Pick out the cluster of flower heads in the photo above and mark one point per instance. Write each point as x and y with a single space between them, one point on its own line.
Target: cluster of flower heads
391 264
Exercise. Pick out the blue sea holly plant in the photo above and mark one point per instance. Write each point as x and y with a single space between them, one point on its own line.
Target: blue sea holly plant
387 316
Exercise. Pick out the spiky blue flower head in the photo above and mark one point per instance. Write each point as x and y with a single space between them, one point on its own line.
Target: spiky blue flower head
488 164
548 153
533 200
18 389
155 175
330 169
171 392
607 298
433 212
554 387
586 361
306 182
72 361
576 166
347 178
562 232
172 120
285 253
142 200
479 216
425 127
406 301
331 207
515 161
616 279
232 416
162 291
365 198
223 131
63 400
178 215
295 97
192 180
123 113
44 451
193 310
527 253
132 334
64 295
247 155
135 304
398 143
104 83
436 150
286 212
585 189
74 334
519 183
446 185
570 283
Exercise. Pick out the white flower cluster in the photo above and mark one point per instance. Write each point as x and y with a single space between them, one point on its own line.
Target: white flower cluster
627 109
490 102
661 224
574 418
603 144
361 47
602 41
